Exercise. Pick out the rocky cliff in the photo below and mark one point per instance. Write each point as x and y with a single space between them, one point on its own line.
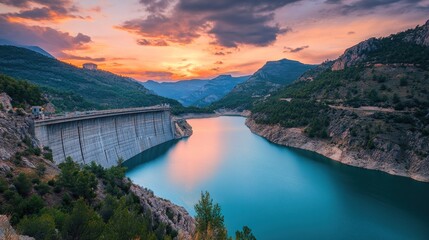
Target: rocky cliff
362 51
369 108
420 35
182 128
388 147
166 212
355 54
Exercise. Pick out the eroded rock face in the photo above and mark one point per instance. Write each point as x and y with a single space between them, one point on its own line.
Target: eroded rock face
7 232
13 129
399 152
358 53
419 36
166 212
182 128
5 101
355 54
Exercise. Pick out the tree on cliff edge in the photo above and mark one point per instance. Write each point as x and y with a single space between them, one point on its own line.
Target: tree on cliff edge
210 221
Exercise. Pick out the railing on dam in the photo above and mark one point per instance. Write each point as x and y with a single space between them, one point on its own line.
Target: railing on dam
97 114
105 136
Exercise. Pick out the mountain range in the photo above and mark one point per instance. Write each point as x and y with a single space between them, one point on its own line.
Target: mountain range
196 92
267 80
72 88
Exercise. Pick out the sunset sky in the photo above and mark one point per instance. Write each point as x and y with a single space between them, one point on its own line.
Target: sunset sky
183 39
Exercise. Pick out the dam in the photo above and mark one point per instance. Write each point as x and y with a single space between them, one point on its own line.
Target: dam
105 136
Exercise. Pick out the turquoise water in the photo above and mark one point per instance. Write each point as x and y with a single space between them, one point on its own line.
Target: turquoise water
281 193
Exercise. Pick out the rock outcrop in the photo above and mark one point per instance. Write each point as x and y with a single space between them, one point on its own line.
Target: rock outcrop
401 152
166 212
182 128
5 102
7 232
420 35
13 129
355 54
359 53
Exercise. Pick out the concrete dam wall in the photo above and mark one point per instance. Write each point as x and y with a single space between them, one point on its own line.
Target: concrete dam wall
105 136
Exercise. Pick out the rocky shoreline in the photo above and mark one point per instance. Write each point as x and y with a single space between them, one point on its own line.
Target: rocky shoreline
295 137
164 211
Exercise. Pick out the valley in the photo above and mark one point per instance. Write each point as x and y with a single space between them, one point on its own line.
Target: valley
89 154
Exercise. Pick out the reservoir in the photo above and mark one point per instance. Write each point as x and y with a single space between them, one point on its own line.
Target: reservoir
279 192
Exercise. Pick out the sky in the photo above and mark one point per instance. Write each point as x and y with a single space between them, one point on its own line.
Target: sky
170 40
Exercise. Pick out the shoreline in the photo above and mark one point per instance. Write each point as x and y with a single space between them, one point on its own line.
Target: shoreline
283 136
215 114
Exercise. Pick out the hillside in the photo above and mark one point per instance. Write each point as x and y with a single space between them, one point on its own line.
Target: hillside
368 108
69 201
32 48
45 201
71 88
268 79
196 92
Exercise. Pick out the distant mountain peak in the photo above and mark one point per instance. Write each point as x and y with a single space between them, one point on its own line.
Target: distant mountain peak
37 49
284 60
223 76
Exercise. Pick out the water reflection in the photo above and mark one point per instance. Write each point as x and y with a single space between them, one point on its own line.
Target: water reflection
150 154
195 160
282 193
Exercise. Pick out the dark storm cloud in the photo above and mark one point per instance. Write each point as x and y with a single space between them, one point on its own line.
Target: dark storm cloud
230 22
156 42
85 58
333 1
294 50
48 38
50 10
222 5
155 6
363 6
183 30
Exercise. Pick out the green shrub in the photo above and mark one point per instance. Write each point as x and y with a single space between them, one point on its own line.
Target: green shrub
48 155
395 98
403 82
3 185
83 223
41 169
39 227
246 234
318 128
32 205
22 184
42 188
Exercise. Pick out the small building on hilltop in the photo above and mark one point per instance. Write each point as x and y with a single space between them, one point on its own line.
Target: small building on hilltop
89 66
37 112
